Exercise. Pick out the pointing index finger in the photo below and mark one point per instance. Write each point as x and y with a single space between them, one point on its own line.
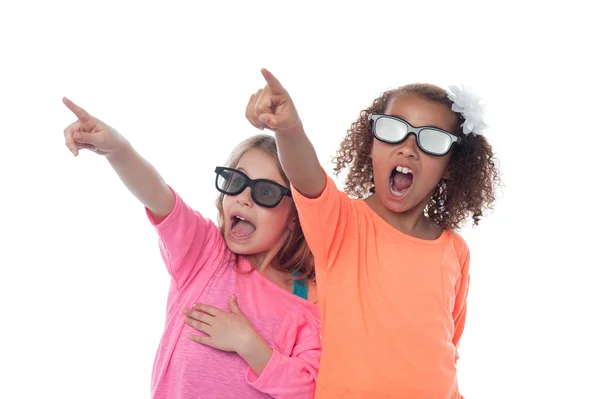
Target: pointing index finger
79 112
274 84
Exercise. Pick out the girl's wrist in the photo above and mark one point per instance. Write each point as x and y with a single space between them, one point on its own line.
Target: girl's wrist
125 150
295 130
255 351
248 342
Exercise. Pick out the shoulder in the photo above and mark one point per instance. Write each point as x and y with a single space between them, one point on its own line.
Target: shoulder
331 195
457 241
460 248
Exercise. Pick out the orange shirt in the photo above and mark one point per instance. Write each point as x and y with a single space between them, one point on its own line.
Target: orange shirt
392 306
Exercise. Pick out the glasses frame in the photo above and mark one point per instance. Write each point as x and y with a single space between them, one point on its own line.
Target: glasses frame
416 131
248 182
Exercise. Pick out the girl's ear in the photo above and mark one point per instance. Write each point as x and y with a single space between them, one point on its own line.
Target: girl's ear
292 222
447 174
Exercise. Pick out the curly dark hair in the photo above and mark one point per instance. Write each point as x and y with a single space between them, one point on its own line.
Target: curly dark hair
474 175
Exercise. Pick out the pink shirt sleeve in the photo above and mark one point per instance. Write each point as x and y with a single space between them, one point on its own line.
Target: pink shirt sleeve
293 367
186 240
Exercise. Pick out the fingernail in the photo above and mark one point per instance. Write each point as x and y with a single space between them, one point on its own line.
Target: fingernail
233 297
263 118
185 311
77 136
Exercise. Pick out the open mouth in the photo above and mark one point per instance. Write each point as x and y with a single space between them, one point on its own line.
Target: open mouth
240 227
401 180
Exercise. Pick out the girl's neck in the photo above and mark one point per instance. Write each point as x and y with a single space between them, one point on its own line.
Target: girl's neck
266 264
264 261
412 222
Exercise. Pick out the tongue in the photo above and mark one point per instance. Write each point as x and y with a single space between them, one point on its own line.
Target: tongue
402 181
243 228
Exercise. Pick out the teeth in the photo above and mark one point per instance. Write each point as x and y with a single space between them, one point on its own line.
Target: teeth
241 218
403 170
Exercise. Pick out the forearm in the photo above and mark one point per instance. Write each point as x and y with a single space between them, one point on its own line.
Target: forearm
300 162
257 353
144 182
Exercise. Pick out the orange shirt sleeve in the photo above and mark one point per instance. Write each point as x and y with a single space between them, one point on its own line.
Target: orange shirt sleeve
323 220
460 305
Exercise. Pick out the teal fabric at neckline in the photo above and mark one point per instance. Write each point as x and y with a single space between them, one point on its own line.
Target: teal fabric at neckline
301 288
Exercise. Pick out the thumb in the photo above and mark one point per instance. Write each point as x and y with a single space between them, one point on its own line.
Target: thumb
233 305
87 138
270 120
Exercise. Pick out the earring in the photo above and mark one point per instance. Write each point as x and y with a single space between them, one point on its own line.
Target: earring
439 198
442 195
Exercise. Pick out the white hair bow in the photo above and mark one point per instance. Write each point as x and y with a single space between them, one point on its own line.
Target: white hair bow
471 108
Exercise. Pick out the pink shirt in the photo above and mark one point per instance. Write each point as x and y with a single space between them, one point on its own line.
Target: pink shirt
203 270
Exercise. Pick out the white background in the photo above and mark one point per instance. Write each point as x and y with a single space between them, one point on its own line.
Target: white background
82 285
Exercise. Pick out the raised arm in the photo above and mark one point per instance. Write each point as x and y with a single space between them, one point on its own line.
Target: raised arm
272 108
138 175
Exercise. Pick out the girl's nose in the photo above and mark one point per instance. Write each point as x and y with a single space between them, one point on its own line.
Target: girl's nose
245 197
409 147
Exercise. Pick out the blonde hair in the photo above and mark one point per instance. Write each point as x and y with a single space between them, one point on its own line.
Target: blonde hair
295 256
